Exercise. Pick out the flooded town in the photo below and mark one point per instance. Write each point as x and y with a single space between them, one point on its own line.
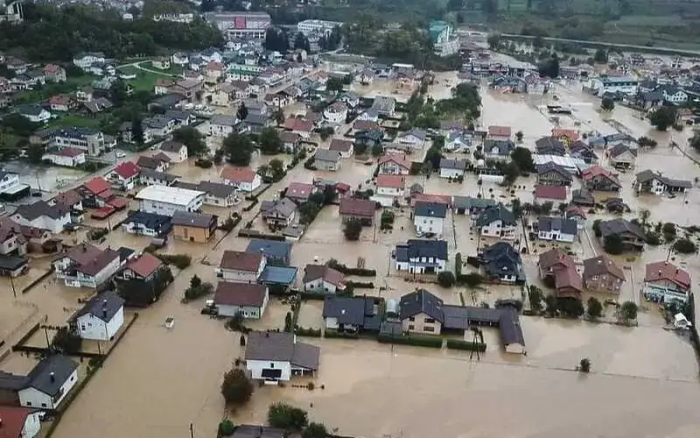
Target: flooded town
395 251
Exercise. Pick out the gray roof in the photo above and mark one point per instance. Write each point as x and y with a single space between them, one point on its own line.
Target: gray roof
648 175
327 155
12 382
618 226
256 119
270 248
51 373
191 219
220 119
42 208
255 431
218 190
505 147
467 202
281 346
620 149
494 213
382 103
418 133
502 259
171 146
432 209
550 145
567 226
582 197
284 207
30 109
156 175
551 166
103 306
421 248
347 310
447 163
421 301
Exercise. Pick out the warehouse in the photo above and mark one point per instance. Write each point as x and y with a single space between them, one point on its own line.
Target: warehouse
165 201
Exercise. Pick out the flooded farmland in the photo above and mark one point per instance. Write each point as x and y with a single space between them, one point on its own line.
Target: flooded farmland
158 381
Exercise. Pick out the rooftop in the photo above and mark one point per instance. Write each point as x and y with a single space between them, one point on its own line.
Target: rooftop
280 346
240 294
241 261
170 195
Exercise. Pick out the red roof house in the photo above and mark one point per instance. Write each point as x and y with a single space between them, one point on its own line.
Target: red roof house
550 193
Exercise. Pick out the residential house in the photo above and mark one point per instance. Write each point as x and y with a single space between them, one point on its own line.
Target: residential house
598 179
277 356
622 157
581 150
336 113
290 141
632 236
299 126
366 77
394 164
86 265
243 178
361 209
566 136
602 274
257 431
67 157
370 115
162 86
458 140
649 181
452 169
582 198
62 103
351 314
557 268
246 299
20 422
551 173
429 218
148 177
98 105
422 312
241 267
502 262
177 152
222 125
147 224
48 383
35 113
144 268
124 176
280 213
84 94
498 149
577 214
194 227
557 229
327 160
390 189
168 200
323 279
550 146
54 73
499 133
553 194
366 140
86 60
42 215
255 123
188 88
215 194
649 100
277 253
344 147
665 282
421 256
674 95
385 106
496 221
300 192
100 318
471 206
415 138
96 192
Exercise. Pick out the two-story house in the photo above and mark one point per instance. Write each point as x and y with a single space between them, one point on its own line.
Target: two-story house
602 274
496 221
394 164
390 189
323 279
241 267
86 265
551 173
649 181
100 318
124 176
280 213
429 218
632 235
598 179
665 282
622 157
43 215
421 256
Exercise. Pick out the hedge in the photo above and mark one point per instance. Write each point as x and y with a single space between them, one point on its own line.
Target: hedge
360 284
340 335
252 205
456 344
360 272
312 296
258 235
310 332
411 340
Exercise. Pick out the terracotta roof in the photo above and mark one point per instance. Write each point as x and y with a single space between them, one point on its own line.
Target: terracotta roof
297 190
567 278
395 158
68 152
550 192
127 169
238 174
330 275
145 265
501 131
97 185
13 419
428 197
68 198
289 137
575 210
241 261
392 181
340 145
60 99
357 207
554 257
365 125
294 124
602 265
570 134
594 171
51 68
668 271
239 294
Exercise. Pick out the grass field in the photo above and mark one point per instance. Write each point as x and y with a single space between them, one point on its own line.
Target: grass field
145 80
48 90
76 120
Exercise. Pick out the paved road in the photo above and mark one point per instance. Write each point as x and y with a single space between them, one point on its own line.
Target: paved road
138 65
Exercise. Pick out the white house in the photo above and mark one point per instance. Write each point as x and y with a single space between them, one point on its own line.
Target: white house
414 138
124 175
43 215
245 179
86 265
450 168
390 189
35 113
222 125
85 60
165 201
323 279
394 164
336 113
674 95
613 84
49 382
557 229
67 157
20 422
248 300
100 318
241 267
429 218
421 256
277 356
177 152
496 221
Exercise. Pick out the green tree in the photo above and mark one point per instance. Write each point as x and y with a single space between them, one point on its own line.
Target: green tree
594 308
663 117
35 153
613 244
596 228
334 84
278 116
535 298
446 279
284 416
137 131
695 142
628 311
519 136
584 365
494 41
315 430
685 246
238 149
546 207
458 264
552 304
288 322
523 158
226 427
644 215
601 56
270 142
377 150
236 387
308 212
607 104
352 229
570 306
277 169
242 112
192 139
67 341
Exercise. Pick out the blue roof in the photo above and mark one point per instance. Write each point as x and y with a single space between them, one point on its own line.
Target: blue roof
270 248
278 275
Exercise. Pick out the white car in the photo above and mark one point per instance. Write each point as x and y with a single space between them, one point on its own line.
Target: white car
121 155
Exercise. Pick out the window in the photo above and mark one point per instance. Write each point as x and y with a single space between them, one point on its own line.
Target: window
430 320
411 327
413 318
272 365
29 403
43 405
428 329
82 327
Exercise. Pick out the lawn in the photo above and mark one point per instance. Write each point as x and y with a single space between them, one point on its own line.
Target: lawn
76 120
44 93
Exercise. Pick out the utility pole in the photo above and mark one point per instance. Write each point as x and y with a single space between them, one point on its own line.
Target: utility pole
12 282
191 430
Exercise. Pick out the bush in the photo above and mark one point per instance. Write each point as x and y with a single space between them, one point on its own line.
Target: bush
360 272
446 279
284 416
595 308
197 289
226 428
331 334
628 311
584 366
456 344
204 164
236 387
472 279
359 284
66 341
352 229
180 261
685 246
310 332
417 341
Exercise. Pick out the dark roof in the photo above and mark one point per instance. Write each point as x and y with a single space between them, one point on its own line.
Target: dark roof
148 162
602 265
98 263
421 301
159 176
550 146
270 248
493 213
103 306
617 226
430 209
347 310
51 373
283 207
510 327
582 197
11 263
567 226
240 260
12 382
42 208
505 147
171 146
240 294
255 431
191 219
502 259
620 149
149 220
357 207
421 248
256 119
281 346
467 202
315 272
551 166
447 163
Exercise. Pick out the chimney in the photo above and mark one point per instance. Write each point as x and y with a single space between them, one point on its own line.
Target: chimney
104 302
104 313
52 376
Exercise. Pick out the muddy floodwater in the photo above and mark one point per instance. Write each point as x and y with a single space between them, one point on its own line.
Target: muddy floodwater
644 380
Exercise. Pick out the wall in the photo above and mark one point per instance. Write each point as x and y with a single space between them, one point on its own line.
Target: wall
92 327
237 276
256 367
420 323
247 311
426 224
30 397
192 234
166 208
451 173
319 286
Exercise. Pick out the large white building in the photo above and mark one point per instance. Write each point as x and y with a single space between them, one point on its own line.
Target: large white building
165 201
613 84
245 25
309 27
444 43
